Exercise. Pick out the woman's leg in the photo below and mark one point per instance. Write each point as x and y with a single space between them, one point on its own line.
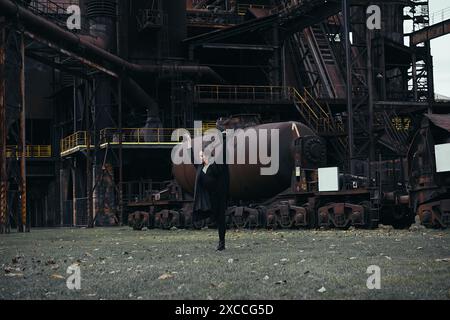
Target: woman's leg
221 227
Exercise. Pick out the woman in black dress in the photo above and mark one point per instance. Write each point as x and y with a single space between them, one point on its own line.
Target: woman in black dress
211 195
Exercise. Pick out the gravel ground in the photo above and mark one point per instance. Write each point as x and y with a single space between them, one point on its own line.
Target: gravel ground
118 263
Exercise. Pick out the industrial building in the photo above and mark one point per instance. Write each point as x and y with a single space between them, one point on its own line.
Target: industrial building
86 115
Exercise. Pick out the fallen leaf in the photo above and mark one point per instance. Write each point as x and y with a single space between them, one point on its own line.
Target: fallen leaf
443 260
322 290
57 276
230 260
14 275
266 277
165 276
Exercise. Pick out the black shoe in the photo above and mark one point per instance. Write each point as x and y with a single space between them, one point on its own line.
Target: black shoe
221 246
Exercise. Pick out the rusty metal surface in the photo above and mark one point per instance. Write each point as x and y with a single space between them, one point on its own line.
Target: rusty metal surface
341 215
246 182
440 120
431 32
435 214
3 174
23 225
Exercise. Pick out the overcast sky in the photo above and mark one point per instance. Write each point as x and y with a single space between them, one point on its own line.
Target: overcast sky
440 49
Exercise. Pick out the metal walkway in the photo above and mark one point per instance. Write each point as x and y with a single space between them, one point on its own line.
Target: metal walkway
439 26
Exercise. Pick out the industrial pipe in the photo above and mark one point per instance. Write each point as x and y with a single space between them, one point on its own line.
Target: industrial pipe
140 97
74 43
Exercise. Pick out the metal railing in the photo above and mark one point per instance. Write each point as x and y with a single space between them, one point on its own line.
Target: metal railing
440 16
140 190
130 136
243 7
207 17
74 142
313 113
55 11
140 136
242 92
31 151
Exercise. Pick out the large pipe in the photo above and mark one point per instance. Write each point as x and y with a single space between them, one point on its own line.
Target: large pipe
49 31
84 46
246 181
140 97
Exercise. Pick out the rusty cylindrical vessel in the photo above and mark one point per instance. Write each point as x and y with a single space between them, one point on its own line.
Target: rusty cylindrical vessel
246 181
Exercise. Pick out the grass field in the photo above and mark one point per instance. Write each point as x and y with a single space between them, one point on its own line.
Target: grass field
118 263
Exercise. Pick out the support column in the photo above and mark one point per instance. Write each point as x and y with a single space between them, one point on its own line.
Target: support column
371 98
414 76
276 71
3 174
74 192
88 155
24 225
120 152
348 62
430 77
63 191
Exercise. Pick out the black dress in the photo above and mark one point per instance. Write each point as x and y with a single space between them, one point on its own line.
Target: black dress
211 195
211 191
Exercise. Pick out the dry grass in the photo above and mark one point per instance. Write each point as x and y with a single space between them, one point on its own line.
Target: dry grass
118 263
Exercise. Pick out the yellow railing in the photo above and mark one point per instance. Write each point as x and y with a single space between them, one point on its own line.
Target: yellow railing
130 136
143 136
31 151
313 113
206 125
74 142
243 92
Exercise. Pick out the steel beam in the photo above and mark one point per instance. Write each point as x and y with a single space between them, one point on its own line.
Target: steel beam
119 98
426 34
89 191
348 58
370 98
23 225
3 173
74 192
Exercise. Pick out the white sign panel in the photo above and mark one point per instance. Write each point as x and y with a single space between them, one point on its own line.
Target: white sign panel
328 179
442 154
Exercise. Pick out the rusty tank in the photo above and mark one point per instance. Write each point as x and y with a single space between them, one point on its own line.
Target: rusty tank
246 181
